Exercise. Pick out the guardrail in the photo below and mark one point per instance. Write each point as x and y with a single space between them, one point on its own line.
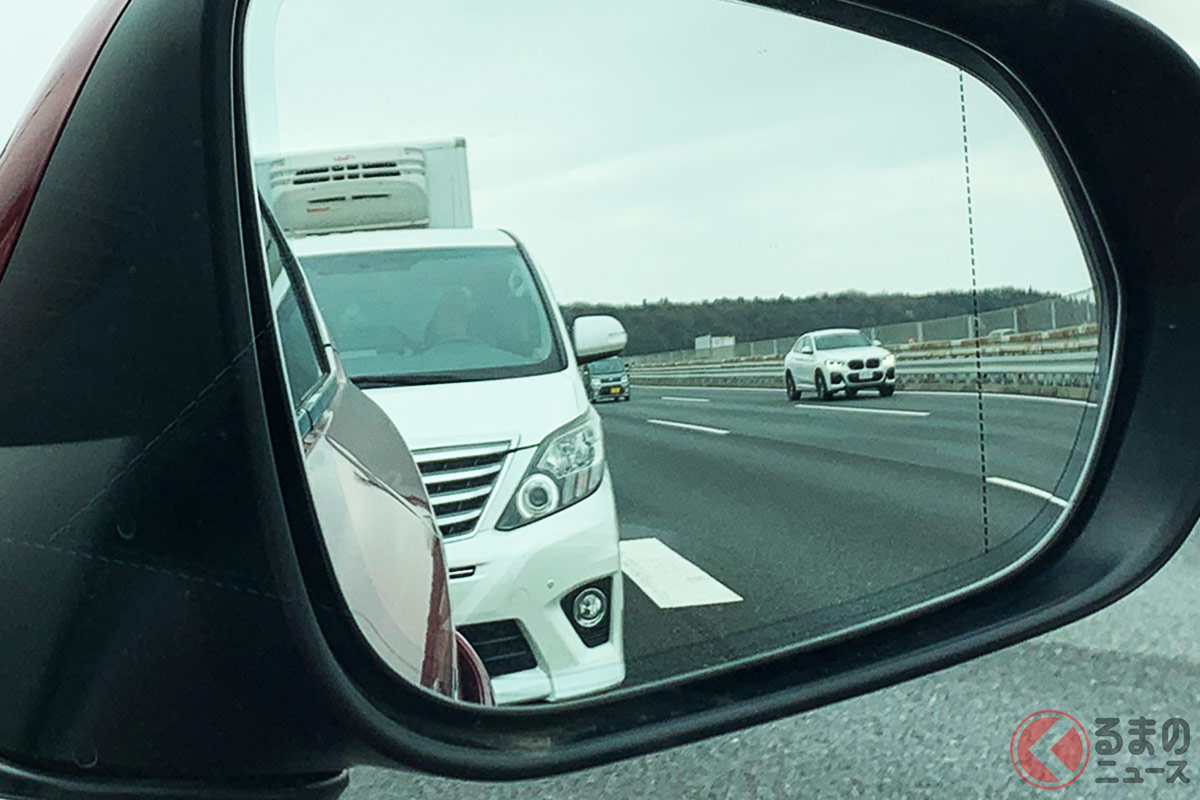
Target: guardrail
1060 374
1070 338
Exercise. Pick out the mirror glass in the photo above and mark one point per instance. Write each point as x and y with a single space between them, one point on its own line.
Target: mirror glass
866 355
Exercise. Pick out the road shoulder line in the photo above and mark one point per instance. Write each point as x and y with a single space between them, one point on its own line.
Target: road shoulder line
896 411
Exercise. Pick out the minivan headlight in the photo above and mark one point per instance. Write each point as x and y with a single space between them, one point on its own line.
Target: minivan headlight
567 467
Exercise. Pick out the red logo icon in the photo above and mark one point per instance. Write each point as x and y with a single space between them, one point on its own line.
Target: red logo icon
1049 749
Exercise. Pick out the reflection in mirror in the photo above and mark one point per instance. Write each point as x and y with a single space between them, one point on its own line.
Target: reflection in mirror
864 355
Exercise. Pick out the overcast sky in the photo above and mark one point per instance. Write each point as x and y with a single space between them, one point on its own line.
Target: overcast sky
687 149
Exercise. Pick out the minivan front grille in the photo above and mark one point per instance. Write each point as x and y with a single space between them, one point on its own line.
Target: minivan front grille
459 481
501 646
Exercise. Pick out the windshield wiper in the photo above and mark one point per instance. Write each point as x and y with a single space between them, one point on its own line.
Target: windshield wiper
413 379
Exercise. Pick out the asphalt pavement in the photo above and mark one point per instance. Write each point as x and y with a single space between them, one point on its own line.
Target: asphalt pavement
800 509
944 735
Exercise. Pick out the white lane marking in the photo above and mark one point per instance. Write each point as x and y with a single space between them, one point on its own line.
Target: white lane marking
865 410
688 388
1033 490
669 579
688 399
1002 395
1009 396
701 428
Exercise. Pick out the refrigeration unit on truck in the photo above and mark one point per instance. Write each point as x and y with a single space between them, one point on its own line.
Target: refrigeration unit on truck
380 187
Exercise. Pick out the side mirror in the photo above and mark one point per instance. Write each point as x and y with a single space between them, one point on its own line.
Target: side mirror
877 343
598 337
132 516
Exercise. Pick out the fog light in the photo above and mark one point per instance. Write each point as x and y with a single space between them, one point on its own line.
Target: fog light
589 608
538 496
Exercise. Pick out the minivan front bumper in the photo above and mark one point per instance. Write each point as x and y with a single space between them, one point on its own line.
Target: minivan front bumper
508 599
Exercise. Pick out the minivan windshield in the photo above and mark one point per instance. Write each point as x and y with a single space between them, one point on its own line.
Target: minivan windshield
836 341
606 365
406 317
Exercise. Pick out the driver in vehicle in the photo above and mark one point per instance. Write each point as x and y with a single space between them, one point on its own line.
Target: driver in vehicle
451 319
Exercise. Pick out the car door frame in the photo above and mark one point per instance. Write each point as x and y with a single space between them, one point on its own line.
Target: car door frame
806 363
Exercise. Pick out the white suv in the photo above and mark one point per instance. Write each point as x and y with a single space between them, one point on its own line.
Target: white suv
455 334
838 360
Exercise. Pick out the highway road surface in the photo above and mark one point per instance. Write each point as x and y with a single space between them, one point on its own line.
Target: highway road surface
746 519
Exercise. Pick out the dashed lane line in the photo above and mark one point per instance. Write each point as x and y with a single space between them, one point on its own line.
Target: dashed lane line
1027 489
689 427
669 579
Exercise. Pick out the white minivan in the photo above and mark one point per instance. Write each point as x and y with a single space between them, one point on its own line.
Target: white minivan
455 333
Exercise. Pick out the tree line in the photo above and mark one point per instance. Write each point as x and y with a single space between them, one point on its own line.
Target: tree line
655 327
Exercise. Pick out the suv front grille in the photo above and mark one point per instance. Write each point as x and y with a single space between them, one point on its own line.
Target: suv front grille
873 363
855 364
460 481
501 645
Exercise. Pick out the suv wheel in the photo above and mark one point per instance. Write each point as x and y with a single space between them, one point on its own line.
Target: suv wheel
823 392
792 392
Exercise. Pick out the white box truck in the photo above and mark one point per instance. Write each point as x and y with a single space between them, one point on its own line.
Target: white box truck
409 185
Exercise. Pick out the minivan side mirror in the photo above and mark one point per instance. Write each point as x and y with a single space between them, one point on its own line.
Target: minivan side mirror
597 337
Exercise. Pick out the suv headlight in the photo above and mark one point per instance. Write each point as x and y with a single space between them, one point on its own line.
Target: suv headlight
889 360
566 468
833 364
